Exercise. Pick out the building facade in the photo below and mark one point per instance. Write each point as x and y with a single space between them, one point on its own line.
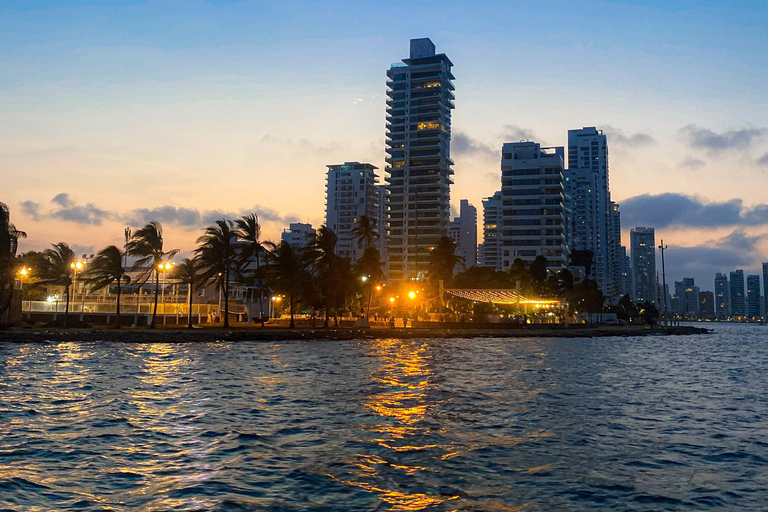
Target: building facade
467 242
298 235
350 193
533 209
765 288
595 223
643 251
738 302
722 297
419 104
753 296
492 243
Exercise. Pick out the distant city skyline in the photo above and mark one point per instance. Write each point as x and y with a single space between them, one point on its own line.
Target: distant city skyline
183 112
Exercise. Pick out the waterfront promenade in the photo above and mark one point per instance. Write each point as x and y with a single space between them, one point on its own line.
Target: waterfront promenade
268 333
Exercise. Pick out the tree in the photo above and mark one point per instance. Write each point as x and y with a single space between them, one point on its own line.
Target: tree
249 231
583 258
442 260
537 271
626 309
365 231
188 272
482 277
147 245
105 269
9 244
57 269
519 275
586 297
322 253
285 270
216 255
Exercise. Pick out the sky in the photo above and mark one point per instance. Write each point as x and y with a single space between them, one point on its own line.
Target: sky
116 113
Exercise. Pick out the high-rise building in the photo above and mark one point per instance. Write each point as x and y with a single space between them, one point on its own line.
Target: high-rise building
532 193
765 288
419 104
722 311
753 296
298 235
643 247
626 273
466 246
595 222
492 219
382 203
738 304
350 193
706 305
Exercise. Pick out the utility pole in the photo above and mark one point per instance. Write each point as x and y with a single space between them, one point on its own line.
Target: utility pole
663 283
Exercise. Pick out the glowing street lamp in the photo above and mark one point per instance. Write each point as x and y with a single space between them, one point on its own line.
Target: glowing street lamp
164 267
23 272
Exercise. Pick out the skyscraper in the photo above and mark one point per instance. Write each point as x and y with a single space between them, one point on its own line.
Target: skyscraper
595 221
350 193
491 253
643 247
765 287
722 311
738 305
753 296
467 244
533 216
419 104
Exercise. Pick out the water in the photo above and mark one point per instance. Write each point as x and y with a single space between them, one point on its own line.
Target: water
639 424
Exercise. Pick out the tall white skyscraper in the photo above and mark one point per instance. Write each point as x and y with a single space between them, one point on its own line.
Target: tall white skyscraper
595 221
419 104
350 193
533 214
467 239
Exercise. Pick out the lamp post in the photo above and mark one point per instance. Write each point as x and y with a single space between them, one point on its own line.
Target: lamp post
164 267
75 266
663 284
22 274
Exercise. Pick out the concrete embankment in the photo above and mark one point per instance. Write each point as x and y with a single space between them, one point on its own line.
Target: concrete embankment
213 334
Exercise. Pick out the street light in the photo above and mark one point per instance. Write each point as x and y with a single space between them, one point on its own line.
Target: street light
164 267
75 266
23 273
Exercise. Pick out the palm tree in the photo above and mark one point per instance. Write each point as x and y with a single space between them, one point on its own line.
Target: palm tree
188 272
147 245
9 244
249 231
216 254
286 270
322 253
365 231
105 269
57 269
443 259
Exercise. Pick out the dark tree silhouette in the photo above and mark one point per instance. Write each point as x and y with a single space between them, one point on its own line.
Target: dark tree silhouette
216 255
365 231
249 231
286 269
105 269
9 244
57 269
188 272
442 261
147 245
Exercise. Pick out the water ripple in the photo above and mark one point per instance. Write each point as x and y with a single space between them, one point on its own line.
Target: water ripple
640 424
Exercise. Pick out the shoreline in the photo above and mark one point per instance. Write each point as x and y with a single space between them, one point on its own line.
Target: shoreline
267 334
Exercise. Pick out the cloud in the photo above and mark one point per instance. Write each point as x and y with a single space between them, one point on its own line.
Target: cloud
463 144
513 133
678 209
302 145
692 163
618 137
763 160
186 218
736 250
31 208
70 211
190 218
703 138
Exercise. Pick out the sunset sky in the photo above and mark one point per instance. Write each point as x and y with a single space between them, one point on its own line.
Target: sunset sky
117 113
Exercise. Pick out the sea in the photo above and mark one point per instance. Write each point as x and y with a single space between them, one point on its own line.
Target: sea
656 423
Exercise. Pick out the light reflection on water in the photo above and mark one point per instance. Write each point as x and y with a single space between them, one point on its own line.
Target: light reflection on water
501 425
